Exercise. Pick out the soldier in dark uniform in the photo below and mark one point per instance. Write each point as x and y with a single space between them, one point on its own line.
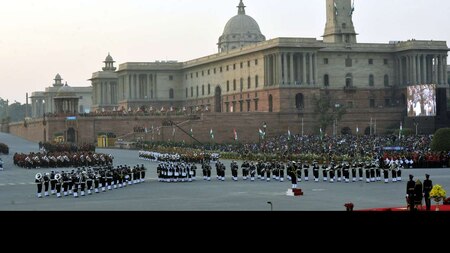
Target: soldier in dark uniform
294 177
410 196
46 183
65 179
346 172
90 178
83 179
193 171
281 172
76 183
38 180
234 170
58 184
52 182
386 175
354 172
252 172
298 169
360 171
316 171
427 186
325 172
306 171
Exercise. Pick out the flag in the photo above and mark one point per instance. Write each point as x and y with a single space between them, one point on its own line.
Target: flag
262 134
192 133
352 9
321 133
211 133
357 129
400 131
289 134
235 135
146 131
173 131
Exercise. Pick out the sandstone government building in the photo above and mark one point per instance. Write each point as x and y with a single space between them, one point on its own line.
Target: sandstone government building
251 81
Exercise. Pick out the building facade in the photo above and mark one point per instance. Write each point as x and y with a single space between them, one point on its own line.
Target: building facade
281 81
43 102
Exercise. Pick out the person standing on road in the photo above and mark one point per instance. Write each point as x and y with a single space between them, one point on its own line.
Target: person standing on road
410 192
427 186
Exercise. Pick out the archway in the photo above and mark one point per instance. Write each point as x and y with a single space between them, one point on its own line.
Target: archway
299 101
218 99
71 135
270 103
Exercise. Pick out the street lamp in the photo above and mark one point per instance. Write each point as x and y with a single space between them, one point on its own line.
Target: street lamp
271 206
416 124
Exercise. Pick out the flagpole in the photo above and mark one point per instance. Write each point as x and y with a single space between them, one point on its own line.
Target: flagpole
302 126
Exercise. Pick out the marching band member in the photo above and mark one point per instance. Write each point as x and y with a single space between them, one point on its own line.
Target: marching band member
38 181
46 183
52 182
316 171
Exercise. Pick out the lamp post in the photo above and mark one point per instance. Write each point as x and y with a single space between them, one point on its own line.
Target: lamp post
271 205
416 124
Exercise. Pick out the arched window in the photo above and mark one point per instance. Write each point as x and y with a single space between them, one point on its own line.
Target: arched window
228 86
196 90
371 80
270 103
349 80
171 94
256 81
218 99
192 92
299 101
187 92
386 80
234 84
326 80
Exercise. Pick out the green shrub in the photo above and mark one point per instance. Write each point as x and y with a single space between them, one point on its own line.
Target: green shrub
441 140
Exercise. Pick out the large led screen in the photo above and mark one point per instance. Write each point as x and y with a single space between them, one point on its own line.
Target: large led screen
421 100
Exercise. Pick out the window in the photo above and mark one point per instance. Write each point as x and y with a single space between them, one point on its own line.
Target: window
203 73
241 84
348 62
192 92
248 105
186 92
349 80
241 106
386 80
209 89
387 102
197 91
228 67
242 64
370 61
350 104
270 103
256 62
347 38
214 70
171 78
256 81
228 86
256 105
371 80
248 64
299 101
192 76
171 94
386 62
234 66
203 90
209 72
249 84
325 61
234 84
326 80
196 74
220 69
372 103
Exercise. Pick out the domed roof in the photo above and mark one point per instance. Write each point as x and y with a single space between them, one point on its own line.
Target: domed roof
109 58
241 23
240 30
58 77
66 92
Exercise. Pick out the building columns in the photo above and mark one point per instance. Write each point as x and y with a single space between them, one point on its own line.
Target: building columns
305 80
285 79
291 74
311 69
279 67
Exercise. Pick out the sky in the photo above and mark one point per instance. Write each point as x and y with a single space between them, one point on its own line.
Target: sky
40 38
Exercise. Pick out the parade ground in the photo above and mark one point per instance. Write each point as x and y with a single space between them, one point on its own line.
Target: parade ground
18 190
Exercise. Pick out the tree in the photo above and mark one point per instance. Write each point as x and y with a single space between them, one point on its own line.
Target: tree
441 140
327 112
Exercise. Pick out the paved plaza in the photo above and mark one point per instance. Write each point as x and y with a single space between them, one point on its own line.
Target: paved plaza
18 192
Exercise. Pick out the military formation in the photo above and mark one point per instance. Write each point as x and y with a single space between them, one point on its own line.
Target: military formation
62 160
85 181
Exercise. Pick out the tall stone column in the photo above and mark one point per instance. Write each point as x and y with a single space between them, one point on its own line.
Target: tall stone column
304 75
414 69
400 70
445 71
311 71
285 78
316 69
279 72
291 74
435 69
442 68
299 68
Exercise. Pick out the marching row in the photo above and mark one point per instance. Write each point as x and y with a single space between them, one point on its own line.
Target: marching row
90 180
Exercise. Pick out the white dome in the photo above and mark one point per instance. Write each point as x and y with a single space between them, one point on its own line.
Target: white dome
240 30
